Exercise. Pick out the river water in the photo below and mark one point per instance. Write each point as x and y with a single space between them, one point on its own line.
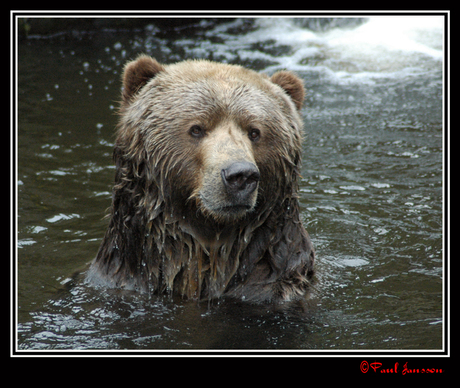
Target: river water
371 191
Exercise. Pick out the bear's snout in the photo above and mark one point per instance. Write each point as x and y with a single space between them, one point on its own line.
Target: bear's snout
229 192
240 179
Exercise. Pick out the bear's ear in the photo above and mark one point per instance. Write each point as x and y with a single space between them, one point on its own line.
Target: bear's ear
292 85
137 73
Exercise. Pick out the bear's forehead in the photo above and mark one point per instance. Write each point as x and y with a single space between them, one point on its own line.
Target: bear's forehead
196 69
221 79
203 84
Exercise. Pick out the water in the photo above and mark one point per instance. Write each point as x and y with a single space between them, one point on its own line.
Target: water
371 189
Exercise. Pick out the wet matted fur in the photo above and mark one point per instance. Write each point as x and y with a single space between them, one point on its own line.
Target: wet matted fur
205 197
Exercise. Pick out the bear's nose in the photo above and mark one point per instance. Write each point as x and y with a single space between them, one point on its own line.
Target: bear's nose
240 178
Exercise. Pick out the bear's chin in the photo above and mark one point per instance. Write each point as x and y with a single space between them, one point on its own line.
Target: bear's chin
228 214
236 211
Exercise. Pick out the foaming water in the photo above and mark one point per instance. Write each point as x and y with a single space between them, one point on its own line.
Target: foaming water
374 45
389 44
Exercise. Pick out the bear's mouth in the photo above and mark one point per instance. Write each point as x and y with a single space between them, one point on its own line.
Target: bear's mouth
229 193
231 213
225 211
236 209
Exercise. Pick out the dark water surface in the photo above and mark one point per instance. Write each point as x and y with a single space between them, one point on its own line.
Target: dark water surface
371 192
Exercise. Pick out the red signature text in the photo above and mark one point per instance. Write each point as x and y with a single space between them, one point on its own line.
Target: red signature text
377 367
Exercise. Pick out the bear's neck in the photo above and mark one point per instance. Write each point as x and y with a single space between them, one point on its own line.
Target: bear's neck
200 258
198 263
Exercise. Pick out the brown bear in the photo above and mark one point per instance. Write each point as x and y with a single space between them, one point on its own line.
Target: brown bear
205 199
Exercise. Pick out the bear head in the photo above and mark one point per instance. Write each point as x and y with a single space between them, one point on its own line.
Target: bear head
205 197
212 139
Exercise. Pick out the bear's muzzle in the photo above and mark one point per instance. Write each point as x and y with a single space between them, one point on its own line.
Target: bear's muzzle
233 194
240 180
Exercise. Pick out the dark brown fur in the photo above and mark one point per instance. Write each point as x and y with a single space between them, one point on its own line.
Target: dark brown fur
162 235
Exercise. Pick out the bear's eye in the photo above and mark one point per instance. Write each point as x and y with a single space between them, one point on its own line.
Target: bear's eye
196 131
254 134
